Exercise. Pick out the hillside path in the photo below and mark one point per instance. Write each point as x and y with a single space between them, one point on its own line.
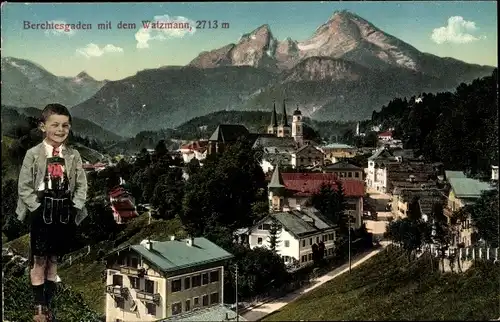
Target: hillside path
258 312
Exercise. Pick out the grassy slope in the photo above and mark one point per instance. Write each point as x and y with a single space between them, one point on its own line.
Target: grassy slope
85 275
387 287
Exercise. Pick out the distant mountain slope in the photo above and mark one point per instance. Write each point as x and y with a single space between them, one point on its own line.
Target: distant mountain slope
347 69
25 83
11 118
162 98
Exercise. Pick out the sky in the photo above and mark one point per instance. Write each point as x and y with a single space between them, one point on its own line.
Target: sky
464 30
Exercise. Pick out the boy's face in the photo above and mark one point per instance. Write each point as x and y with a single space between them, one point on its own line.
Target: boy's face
56 129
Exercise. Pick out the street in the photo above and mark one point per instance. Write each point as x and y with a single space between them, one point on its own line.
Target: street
265 309
376 227
379 201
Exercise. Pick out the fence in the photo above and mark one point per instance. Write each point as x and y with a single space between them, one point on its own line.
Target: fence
469 253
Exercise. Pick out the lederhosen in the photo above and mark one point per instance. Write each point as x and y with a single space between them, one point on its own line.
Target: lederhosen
53 223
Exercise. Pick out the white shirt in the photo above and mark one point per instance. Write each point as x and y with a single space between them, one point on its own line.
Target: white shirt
48 152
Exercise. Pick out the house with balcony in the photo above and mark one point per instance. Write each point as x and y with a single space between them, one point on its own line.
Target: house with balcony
344 170
464 191
292 190
298 230
158 280
307 156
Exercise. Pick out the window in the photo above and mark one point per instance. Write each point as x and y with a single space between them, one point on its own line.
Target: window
304 258
204 278
151 308
265 227
196 301
287 243
214 276
196 280
134 282
205 300
317 240
330 236
259 241
303 243
310 256
134 262
176 286
187 306
323 238
356 174
310 241
149 286
187 283
349 174
120 302
118 280
214 298
176 308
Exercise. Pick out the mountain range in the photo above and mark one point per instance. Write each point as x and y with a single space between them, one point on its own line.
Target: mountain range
347 69
30 85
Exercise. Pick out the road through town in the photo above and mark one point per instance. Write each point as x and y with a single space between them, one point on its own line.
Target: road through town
258 312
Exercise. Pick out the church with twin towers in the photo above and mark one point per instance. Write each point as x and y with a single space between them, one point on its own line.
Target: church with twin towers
283 128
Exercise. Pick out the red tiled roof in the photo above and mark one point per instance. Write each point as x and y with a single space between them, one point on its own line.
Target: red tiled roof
306 184
386 133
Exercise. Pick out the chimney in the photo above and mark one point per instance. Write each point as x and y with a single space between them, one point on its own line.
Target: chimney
172 237
189 241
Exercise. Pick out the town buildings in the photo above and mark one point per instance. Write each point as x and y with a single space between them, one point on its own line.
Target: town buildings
292 190
298 230
345 170
335 152
159 280
122 205
194 150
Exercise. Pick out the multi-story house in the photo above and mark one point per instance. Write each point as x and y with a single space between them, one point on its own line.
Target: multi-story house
344 170
298 230
158 280
427 198
306 156
292 190
337 151
122 205
464 191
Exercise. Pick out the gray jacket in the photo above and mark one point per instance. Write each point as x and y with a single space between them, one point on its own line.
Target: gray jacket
33 172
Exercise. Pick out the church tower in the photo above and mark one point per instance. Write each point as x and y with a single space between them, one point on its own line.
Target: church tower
297 132
276 188
273 127
284 128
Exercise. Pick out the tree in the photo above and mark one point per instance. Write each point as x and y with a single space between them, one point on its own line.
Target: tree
331 202
274 234
411 235
224 191
193 167
441 233
485 218
168 194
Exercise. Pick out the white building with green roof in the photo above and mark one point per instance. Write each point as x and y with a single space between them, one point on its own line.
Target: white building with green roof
158 280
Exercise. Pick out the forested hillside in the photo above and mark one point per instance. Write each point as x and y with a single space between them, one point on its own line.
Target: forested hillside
459 129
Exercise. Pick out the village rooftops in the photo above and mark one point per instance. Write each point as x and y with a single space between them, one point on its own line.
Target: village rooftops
468 188
175 255
306 184
454 174
268 141
215 313
342 165
337 146
229 133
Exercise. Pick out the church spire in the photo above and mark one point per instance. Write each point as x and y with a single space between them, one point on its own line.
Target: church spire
274 118
284 117
276 179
